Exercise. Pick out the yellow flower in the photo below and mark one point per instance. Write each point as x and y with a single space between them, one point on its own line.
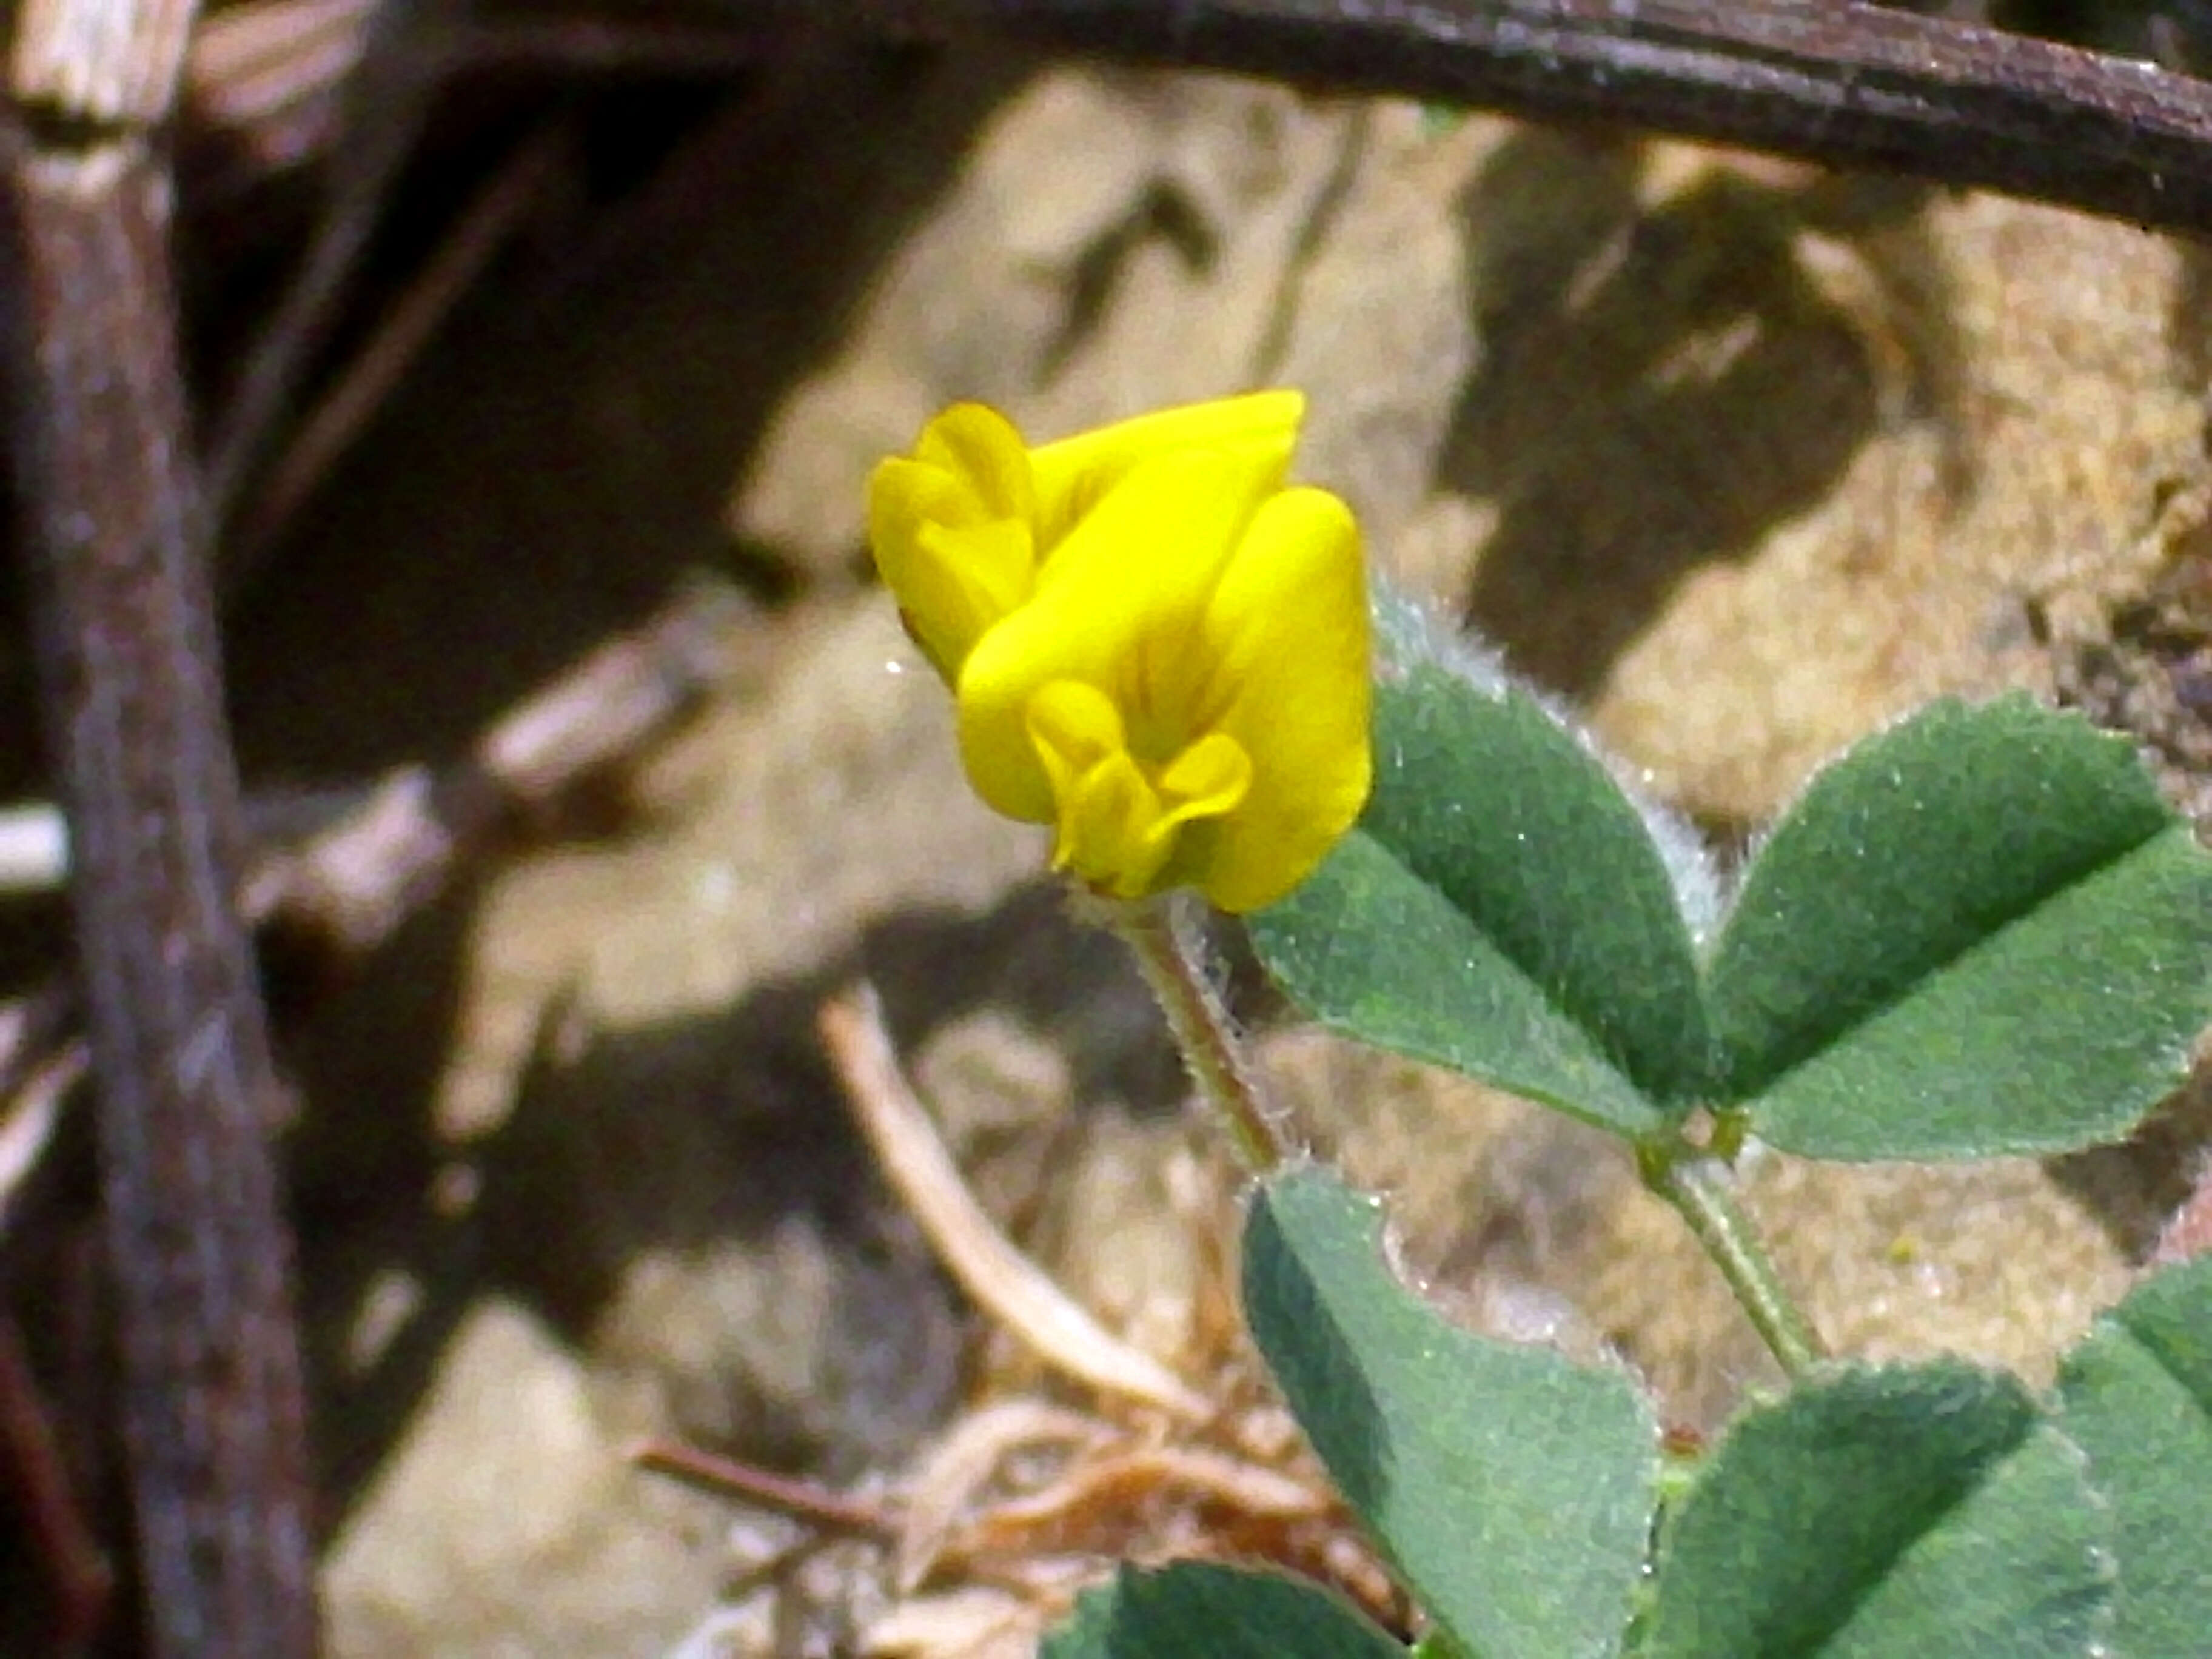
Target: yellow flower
1185 695
962 526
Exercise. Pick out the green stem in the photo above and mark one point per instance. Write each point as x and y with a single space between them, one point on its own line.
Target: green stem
1693 1185
1172 953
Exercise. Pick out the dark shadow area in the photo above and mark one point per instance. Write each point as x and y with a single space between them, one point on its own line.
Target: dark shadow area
563 456
1165 215
2133 1188
726 1127
1661 388
2189 325
363 1160
554 467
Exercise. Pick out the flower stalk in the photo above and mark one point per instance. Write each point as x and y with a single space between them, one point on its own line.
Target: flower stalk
1172 953
1160 646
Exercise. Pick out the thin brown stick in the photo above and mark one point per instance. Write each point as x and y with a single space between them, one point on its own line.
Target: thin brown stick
1011 1287
1831 80
802 1500
37 1087
213 1407
387 97
82 1585
354 883
328 428
130 691
1845 83
265 78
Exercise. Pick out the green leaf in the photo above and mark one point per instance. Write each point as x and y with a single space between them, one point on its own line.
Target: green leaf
1189 1608
1512 1489
1372 952
1981 931
1887 1511
2137 1393
1502 910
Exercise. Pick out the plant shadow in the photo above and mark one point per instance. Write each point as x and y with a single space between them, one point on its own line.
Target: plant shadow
1663 383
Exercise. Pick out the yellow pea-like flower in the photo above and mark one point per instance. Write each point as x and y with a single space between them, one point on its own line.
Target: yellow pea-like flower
1178 678
962 525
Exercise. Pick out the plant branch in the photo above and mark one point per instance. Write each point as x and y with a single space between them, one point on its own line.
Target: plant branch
1692 1184
1836 81
113 546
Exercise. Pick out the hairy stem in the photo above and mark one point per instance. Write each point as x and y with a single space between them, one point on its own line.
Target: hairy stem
1174 957
1692 1184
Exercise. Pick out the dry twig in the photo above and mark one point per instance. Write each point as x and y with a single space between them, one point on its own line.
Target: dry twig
83 1581
352 886
114 541
1837 81
988 1266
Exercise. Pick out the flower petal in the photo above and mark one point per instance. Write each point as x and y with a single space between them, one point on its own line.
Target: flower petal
1073 475
951 529
1210 778
1106 812
981 447
1118 607
954 575
1119 826
1288 636
1074 727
